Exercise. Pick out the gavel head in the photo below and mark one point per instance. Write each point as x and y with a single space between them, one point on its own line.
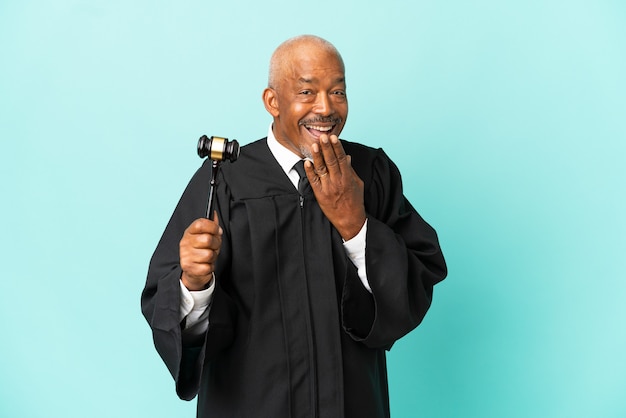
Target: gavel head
218 148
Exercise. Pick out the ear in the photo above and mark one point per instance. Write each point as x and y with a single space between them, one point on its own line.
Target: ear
270 100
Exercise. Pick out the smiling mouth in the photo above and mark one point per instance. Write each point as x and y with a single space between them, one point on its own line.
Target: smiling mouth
317 128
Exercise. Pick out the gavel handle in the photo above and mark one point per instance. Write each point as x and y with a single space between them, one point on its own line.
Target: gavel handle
211 203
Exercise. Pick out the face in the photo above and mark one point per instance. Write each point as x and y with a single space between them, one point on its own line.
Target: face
308 100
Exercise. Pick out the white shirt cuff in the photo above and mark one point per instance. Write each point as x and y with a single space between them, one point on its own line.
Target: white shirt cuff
194 304
355 249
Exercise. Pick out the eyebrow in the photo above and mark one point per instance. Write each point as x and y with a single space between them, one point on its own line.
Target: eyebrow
306 80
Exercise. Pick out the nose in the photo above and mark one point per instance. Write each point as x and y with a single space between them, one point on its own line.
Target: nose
323 105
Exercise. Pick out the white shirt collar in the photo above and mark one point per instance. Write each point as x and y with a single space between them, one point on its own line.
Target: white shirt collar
285 157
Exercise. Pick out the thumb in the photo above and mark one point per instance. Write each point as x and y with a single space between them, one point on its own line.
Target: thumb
216 219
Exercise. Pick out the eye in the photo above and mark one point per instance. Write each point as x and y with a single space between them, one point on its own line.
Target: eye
339 96
306 96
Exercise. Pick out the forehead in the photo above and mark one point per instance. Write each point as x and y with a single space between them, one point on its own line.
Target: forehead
313 64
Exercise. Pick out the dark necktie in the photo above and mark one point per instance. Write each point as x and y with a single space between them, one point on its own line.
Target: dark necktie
303 183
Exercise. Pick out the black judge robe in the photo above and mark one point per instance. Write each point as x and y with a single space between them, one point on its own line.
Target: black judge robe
292 330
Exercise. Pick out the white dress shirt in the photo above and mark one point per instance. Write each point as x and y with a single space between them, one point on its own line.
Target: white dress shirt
194 305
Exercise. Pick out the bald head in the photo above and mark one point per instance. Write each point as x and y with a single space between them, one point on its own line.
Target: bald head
294 48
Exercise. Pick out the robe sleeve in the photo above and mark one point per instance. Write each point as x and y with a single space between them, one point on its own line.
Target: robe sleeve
403 263
160 299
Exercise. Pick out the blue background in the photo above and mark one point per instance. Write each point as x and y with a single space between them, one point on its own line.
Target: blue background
505 118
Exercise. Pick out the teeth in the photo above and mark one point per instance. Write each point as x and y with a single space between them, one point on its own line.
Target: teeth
319 128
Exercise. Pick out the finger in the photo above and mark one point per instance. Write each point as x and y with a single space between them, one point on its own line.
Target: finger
204 226
340 153
330 158
203 234
198 261
206 241
310 170
216 219
198 268
204 255
319 166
